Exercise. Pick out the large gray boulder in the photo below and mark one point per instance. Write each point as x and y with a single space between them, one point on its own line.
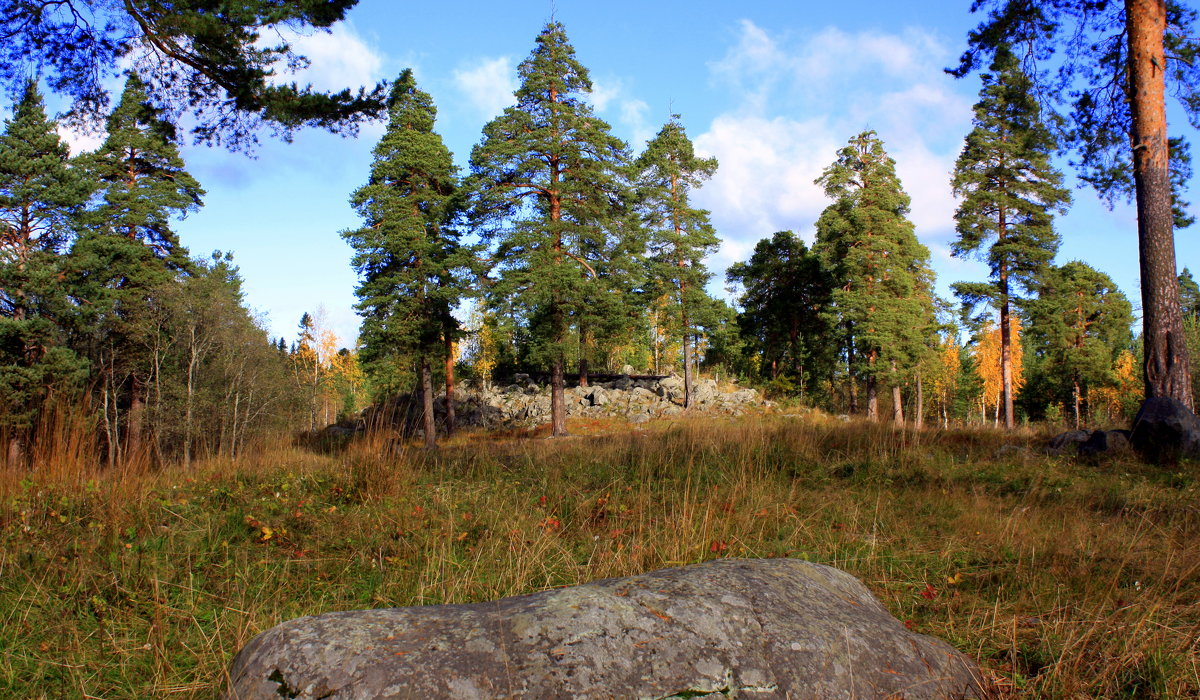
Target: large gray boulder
774 628
1165 430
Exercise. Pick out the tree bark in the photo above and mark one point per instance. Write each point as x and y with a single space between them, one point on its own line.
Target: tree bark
687 361
897 407
872 399
1166 370
427 404
1006 372
919 418
451 419
558 406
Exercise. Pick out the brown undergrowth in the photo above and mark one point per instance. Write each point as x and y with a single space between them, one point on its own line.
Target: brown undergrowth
1065 579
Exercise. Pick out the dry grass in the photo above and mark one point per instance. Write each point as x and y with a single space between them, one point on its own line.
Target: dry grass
1065 579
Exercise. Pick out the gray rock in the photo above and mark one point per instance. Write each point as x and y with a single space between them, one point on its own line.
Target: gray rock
639 418
1105 442
1068 442
774 628
598 397
1164 430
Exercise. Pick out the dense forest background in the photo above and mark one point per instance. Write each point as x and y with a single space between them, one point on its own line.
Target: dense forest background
561 251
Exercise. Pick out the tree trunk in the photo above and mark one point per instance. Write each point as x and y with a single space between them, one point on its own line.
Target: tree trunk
1166 370
135 419
1075 395
897 401
853 387
1006 373
687 365
451 418
558 406
427 404
919 418
872 399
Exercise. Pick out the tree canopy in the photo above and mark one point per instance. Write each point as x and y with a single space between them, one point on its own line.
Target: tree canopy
202 59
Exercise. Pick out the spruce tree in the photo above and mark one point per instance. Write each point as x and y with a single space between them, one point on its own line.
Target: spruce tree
1009 190
881 271
407 252
130 251
1078 324
545 188
680 235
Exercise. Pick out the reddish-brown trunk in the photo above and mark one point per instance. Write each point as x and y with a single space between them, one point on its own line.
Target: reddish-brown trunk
1166 370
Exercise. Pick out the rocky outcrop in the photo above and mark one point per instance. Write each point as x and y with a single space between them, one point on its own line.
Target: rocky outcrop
527 403
1164 430
775 628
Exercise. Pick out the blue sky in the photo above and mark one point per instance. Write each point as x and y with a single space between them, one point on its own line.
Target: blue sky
772 89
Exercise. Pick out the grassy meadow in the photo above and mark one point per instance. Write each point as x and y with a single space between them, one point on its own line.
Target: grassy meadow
1065 578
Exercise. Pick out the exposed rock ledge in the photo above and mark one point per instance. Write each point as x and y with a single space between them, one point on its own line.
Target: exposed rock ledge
770 628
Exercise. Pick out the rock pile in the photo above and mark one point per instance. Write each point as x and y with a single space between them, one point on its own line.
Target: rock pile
525 402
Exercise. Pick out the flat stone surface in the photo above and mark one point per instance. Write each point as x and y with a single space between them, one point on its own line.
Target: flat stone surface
772 628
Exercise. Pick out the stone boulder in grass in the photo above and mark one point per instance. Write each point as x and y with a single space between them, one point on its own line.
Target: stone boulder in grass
770 628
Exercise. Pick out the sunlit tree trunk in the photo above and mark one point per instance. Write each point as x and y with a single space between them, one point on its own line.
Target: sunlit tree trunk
1166 369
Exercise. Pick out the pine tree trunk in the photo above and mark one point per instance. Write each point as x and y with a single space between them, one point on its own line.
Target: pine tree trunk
853 387
1006 374
451 418
1075 395
919 418
558 406
687 365
872 399
427 404
897 402
1166 370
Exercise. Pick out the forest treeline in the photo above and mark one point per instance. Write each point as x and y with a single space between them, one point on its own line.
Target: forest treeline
558 251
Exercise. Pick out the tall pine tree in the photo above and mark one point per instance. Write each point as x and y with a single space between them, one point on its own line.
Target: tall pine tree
680 235
41 196
408 252
128 252
881 271
545 186
1009 190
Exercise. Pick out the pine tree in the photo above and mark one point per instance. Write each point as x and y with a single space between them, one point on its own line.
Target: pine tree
680 236
129 252
1079 323
41 196
1009 189
408 253
785 287
545 188
1112 64
882 296
40 193
1189 295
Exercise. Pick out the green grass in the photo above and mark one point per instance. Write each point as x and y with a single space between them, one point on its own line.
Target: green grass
1064 579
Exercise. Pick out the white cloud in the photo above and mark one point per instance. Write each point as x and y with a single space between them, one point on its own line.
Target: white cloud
488 85
80 141
338 59
797 100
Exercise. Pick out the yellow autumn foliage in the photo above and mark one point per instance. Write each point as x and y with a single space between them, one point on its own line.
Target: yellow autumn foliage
987 355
